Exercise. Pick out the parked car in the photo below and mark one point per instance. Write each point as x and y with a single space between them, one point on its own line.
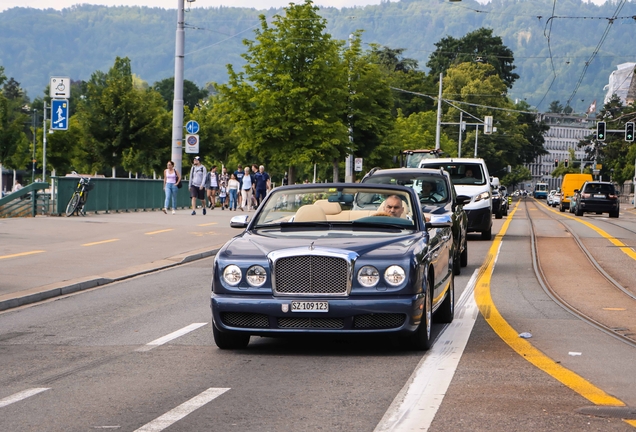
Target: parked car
441 199
470 177
556 198
595 197
550 197
505 203
334 258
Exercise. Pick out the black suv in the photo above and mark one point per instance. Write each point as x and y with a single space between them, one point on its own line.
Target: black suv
437 197
596 197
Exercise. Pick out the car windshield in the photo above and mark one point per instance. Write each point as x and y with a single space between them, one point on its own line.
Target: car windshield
330 206
461 173
432 190
596 188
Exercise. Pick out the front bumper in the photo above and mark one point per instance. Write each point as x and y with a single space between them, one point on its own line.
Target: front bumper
479 220
263 315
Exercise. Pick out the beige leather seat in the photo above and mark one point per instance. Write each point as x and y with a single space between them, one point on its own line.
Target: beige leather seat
310 213
330 208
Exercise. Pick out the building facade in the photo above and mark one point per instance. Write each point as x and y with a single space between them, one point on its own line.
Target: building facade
564 134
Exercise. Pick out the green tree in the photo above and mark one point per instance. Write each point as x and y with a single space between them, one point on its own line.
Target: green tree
12 124
555 107
519 174
124 125
288 103
192 94
477 46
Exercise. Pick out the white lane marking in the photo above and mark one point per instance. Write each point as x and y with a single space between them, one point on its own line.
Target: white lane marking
415 406
176 414
167 338
20 396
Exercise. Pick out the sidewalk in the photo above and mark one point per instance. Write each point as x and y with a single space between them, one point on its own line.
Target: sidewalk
44 257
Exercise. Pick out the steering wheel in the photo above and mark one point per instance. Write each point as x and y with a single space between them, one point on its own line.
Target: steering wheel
430 198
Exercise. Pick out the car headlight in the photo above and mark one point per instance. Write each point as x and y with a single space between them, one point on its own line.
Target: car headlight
394 275
368 276
232 275
256 276
482 196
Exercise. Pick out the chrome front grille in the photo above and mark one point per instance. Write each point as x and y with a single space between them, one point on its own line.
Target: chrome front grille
245 320
379 321
311 275
322 323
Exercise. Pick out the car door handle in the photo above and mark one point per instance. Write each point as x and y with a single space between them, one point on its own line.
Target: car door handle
444 238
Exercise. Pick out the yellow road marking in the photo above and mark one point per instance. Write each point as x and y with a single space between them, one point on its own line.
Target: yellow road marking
627 250
614 309
524 348
208 224
21 254
160 231
100 242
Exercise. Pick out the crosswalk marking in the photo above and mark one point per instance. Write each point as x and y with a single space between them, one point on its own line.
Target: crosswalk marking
20 396
176 414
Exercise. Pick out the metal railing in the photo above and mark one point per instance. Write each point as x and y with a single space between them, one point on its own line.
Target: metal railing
116 194
28 201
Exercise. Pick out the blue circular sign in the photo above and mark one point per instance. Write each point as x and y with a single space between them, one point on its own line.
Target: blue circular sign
192 127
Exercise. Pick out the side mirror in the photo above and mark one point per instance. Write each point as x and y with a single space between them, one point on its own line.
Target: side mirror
439 221
239 221
576 190
462 200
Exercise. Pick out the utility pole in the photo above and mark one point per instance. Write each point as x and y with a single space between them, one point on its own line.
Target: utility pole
35 129
44 145
439 114
476 137
349 159
461 127
177 103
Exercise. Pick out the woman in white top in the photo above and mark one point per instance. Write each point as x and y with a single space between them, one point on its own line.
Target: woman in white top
246 190
171 179
232 190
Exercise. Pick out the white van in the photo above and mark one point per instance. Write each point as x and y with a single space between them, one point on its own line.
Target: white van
470 177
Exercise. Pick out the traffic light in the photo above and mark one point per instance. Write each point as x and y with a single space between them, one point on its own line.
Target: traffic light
629 131
600 131
565 163
556 163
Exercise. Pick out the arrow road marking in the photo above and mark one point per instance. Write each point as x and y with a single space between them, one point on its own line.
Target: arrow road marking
176 414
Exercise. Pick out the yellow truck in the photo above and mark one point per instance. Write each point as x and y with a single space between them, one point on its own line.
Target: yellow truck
571 182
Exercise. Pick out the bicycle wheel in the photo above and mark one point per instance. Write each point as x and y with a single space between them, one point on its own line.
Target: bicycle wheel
72 204
82 203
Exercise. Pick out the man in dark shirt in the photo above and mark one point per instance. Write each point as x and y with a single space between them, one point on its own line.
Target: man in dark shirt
263 184
239 173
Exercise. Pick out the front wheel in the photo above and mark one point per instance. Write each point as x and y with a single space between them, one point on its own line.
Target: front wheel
421 340
486 235
72 204
463 258
613 214
229 340
578 211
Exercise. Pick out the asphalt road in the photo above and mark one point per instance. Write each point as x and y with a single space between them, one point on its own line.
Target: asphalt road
139 355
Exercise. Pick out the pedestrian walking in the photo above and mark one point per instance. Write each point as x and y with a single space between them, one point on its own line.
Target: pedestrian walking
263 184
171 181
212 186
247 187
224 177
196 184
233 188
222 195
254 202
239 173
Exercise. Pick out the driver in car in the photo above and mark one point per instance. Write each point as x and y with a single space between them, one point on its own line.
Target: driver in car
393 206
429 192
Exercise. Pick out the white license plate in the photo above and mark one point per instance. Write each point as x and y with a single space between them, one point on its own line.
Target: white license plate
310 306
599 196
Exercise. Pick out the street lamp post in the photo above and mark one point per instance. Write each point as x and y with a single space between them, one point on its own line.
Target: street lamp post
177 104
35 128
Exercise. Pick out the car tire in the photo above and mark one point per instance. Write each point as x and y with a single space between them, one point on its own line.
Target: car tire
446 311
463 258
498 215
487 235
505 212
578 212
421 340
229 340
613 214
561 209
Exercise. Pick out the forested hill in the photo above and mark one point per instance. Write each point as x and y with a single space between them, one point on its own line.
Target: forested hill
75 42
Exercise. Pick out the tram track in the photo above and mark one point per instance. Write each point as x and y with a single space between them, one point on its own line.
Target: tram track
559 290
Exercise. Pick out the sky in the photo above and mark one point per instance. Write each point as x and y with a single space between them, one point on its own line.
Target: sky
172 4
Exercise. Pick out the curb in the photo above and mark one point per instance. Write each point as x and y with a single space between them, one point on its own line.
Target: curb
57 289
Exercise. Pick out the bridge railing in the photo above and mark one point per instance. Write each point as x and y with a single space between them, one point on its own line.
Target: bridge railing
28 201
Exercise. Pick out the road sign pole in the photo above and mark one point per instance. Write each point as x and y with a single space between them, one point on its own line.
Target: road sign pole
177 104
44 145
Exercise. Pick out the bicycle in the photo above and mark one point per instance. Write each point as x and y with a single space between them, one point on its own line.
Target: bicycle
78 200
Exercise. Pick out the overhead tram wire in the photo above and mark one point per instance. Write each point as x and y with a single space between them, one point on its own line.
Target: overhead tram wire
554 74
620 6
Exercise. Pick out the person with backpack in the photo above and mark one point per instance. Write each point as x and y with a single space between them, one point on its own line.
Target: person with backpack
198 174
